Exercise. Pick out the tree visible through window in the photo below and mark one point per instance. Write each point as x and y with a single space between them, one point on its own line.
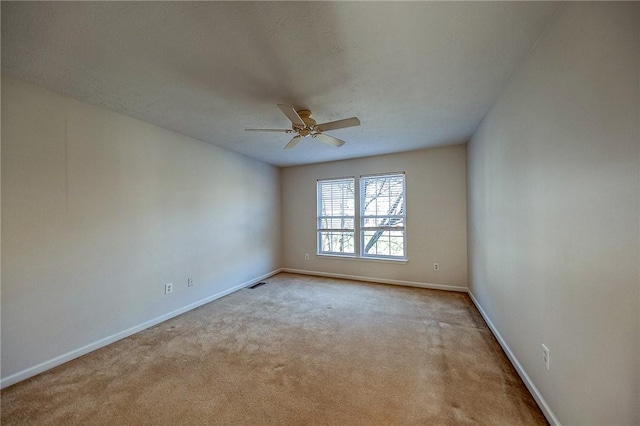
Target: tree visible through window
382 215
379 218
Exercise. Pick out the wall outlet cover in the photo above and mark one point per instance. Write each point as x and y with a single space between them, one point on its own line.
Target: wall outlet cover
546 356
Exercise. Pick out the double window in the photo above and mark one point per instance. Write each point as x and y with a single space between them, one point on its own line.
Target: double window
372 227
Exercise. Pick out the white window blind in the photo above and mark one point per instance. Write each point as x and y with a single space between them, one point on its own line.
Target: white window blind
336 216
382 216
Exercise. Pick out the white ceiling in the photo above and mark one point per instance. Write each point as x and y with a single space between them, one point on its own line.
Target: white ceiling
417 74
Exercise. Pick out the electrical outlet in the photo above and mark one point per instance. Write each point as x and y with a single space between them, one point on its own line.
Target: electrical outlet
189 282
306 256
546 357
436 267
168 288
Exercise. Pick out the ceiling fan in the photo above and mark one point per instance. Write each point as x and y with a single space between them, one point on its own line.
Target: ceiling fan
304 126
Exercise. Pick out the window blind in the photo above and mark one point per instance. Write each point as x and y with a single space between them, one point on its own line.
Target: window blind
336 216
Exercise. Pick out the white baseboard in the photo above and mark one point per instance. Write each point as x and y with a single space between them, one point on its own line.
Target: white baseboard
546 410
76 353
377 280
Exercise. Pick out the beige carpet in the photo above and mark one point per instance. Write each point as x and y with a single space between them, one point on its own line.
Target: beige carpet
296 351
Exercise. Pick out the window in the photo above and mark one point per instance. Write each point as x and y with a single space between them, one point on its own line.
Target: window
336 216
382 216
378 218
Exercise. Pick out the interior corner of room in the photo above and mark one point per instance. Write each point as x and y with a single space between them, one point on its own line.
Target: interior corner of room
534 211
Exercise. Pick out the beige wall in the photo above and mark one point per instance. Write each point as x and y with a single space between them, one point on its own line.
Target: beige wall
436 217
554 214
100 210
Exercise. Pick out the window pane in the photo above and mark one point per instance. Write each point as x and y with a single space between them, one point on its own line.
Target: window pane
336 197
383 195
384 243
336 216
382 205
337 242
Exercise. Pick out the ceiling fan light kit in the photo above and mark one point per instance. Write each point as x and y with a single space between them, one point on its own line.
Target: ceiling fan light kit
305 126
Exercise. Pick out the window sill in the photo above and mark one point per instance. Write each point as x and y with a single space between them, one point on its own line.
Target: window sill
366 259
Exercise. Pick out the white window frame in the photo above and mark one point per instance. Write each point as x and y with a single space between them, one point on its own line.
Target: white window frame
358 220
402 217
320 217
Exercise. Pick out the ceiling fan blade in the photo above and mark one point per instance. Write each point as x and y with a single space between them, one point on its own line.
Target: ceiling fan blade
292 114
293 142
330 140
339 124
269 130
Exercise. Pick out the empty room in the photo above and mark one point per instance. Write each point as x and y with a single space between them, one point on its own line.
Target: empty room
320 213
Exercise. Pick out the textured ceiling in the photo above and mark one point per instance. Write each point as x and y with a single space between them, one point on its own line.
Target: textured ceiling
417 74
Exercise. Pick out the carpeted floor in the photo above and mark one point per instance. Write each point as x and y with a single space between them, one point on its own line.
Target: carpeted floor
297 351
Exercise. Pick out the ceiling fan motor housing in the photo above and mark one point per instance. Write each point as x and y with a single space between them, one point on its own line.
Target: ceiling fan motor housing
310 125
